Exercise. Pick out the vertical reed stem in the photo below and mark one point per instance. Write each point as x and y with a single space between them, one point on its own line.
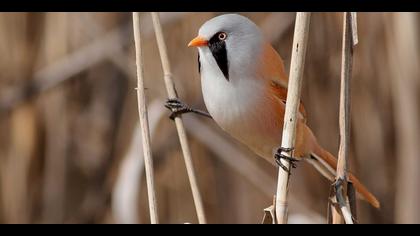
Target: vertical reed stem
142 107
170 88
344 121
300 40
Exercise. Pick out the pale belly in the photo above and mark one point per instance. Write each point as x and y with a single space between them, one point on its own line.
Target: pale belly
259 137
243 111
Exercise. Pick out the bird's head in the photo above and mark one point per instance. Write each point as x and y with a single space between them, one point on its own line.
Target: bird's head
232 41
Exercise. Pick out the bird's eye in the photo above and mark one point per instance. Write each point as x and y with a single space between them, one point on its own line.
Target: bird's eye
222 36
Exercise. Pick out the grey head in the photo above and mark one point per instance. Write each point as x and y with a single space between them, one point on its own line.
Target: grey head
234 42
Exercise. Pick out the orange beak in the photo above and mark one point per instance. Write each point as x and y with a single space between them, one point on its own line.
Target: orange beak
198 42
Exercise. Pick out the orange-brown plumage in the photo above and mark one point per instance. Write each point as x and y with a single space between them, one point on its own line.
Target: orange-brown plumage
271 66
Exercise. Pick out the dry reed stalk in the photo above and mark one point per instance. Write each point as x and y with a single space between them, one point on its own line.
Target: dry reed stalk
144 124
170 88
300 40
349 38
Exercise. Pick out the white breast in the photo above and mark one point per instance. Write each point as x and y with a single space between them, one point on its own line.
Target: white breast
237 106
227 101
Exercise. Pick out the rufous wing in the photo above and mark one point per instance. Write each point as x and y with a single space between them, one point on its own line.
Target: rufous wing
281 93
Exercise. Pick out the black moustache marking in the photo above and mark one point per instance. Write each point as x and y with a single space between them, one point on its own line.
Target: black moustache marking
199 64
218 49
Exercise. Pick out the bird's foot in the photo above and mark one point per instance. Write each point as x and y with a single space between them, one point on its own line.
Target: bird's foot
278 156
177 107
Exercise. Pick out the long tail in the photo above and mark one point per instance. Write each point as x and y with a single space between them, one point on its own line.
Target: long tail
326 164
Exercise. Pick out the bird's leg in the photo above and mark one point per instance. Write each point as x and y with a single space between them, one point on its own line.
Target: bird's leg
278 156
178 107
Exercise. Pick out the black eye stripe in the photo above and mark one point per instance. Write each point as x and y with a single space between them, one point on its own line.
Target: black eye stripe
218 49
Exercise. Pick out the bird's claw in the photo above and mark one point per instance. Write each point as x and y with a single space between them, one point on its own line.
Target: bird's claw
278 156
177 107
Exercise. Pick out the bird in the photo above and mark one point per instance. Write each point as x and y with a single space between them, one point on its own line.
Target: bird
244 86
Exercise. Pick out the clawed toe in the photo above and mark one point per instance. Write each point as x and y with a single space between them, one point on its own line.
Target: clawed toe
177 107
174 103
278 156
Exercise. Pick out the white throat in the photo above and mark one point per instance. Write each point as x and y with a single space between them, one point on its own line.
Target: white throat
227 100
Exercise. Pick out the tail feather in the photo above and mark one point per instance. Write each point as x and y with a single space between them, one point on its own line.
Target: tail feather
326 161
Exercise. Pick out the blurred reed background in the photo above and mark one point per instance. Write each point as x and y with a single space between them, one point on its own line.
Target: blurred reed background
69 139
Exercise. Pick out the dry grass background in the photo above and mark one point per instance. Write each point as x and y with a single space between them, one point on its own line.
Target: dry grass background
68 118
